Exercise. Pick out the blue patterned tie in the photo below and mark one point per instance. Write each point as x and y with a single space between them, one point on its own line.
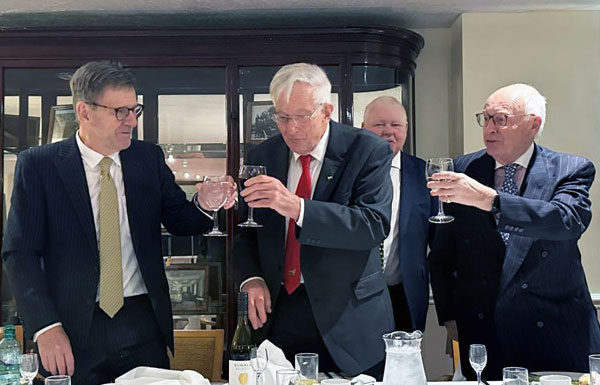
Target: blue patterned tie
509 186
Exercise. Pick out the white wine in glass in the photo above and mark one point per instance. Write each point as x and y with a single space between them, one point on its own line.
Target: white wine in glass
433 166
247 172
216 190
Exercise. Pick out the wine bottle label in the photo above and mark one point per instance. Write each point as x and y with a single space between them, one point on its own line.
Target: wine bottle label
241 373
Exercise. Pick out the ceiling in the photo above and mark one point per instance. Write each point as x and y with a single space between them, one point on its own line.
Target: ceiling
261 13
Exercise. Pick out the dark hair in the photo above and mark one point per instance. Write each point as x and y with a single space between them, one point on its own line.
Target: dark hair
91 79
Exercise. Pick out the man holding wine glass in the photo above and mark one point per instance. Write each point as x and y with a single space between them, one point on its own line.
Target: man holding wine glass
312 271
507 272
83 243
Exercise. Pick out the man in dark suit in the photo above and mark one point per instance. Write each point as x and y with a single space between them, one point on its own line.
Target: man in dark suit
404 251
83 245
508 269
315 262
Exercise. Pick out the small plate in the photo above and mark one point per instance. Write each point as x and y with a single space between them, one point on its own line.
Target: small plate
574 375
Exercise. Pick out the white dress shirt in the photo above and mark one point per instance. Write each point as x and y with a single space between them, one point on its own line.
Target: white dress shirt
391 259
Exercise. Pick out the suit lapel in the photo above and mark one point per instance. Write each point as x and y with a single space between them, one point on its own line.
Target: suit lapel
72 174
133 194
277 166
332 163
518 247
411 192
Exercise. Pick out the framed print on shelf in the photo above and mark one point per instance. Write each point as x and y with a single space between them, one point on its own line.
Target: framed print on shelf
260 125
188 287
62 123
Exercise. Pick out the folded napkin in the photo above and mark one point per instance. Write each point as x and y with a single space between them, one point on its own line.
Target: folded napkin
143 375
363 379
277 361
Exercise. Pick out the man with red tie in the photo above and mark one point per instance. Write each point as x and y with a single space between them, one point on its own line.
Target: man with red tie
324 207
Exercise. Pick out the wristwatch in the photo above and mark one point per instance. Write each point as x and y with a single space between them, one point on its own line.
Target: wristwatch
496 204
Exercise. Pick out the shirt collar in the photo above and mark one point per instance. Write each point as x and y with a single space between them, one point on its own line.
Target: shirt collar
523 160
397 160
91 157
318 152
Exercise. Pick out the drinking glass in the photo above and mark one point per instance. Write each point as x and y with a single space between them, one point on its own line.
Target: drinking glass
594 361
216 190
286 377
478 359
58 380
515 376
29 366
307 364
247 172
555 379
435 165
258 361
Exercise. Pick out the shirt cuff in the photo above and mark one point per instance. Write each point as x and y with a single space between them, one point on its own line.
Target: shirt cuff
251 279
39 332
301 216
195 200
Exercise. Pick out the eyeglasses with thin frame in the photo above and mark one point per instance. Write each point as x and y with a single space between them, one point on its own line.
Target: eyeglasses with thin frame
299 120
121 113
499 119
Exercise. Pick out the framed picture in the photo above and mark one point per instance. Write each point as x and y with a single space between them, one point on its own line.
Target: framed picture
188 287
260 125
62 123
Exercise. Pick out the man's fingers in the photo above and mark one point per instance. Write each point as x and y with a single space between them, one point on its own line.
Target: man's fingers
70 360
253 317
260 306
61 364
267 301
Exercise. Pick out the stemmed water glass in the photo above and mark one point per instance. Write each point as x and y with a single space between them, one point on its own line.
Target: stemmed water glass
259 358
478 359
435 165
247 172
216 190
29 366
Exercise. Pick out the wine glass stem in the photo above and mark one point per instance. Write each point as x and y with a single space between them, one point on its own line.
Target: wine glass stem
251 214
478 378
215 221
441 208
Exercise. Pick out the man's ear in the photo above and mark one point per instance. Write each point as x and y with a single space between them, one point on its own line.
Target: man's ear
537 123
82 110
327 111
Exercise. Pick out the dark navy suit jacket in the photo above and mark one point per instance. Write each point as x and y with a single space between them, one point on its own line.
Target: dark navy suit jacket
343 225
50 248
542 312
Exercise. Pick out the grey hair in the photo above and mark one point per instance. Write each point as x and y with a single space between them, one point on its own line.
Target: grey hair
533 103
91 79
288 75
389 100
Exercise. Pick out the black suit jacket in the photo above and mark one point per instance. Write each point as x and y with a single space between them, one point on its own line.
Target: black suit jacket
50 248
343 225
532 293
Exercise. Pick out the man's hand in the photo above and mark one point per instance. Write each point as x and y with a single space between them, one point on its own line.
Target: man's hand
203 193
259 302
55 351
459 188
267 192
451 329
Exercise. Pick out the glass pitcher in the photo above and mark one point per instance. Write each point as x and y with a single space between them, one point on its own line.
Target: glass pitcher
403 362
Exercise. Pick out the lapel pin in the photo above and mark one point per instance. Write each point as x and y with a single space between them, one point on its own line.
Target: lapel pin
329 177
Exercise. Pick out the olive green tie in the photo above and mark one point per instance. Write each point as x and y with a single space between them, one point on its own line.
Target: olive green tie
111 271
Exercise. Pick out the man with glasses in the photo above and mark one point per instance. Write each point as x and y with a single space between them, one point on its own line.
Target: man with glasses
324 207
507 272
83 244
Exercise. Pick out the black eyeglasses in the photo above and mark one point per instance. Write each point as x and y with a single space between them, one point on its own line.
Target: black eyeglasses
499 120
121 113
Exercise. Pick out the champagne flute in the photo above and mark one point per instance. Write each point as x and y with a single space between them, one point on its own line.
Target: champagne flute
259 358
435 165
216 190
29 366
247 172
478 359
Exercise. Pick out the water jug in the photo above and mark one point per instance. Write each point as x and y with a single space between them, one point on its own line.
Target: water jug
403 362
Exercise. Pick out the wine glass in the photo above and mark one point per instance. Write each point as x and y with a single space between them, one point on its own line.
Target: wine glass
435 165
29 366
247 172
58 380
216 190
259 358
478 359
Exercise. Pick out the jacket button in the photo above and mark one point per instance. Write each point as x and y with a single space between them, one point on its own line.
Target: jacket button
480 316
524 286
540 324
506 227
521 229
544 254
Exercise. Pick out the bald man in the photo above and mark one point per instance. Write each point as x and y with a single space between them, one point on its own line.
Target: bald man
507 271
405 249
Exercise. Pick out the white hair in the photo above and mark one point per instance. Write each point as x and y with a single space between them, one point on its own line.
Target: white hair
533 103
288 75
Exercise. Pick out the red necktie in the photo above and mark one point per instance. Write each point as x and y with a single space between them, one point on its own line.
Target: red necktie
291 267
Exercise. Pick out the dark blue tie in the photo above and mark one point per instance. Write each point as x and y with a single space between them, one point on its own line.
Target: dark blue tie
509 186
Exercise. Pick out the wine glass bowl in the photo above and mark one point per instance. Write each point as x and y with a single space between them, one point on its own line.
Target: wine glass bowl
259 358
29 366
478 359
433 166
247 172
216 190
